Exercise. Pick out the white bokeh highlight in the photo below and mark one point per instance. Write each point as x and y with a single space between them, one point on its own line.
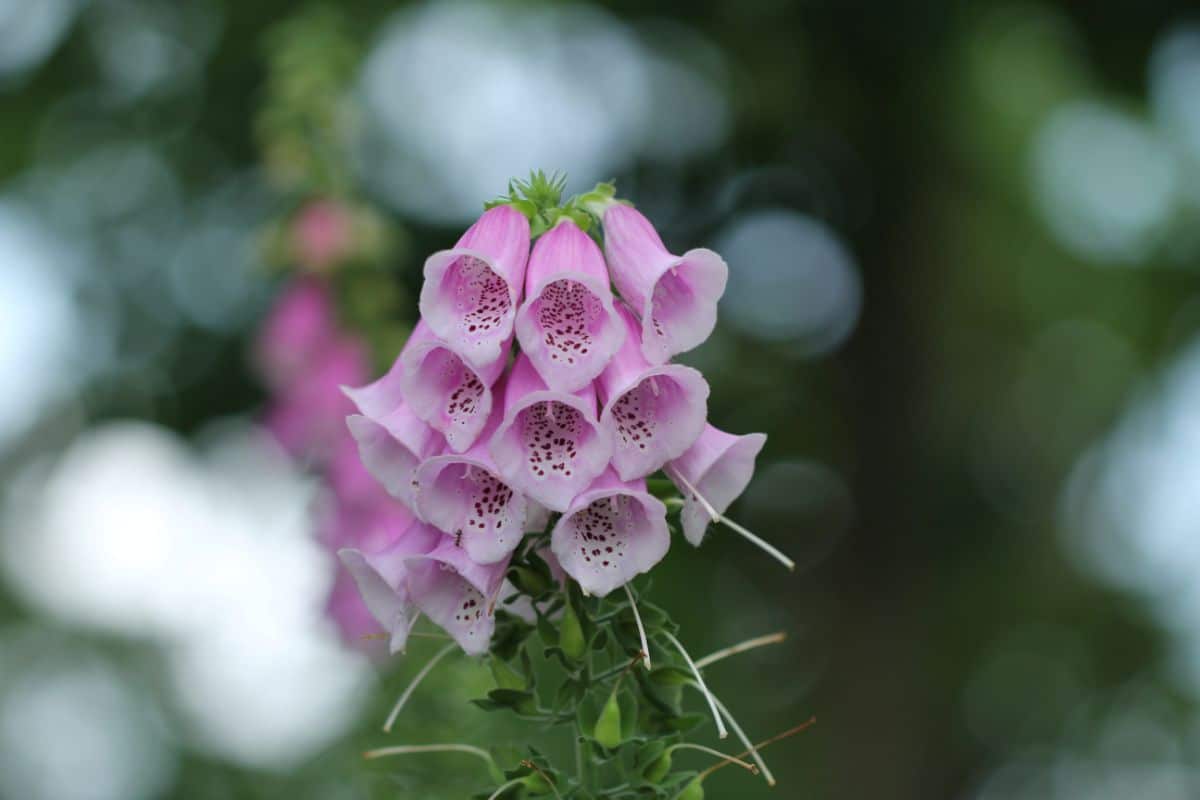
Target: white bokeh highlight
1105 182
462 97
796 282
208 551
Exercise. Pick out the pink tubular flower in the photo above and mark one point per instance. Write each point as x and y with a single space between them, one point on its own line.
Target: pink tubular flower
711 475
653 414
567 325
549 444
382 579
450 394
471 292
674 296
392 440
457 594
611 533
465 496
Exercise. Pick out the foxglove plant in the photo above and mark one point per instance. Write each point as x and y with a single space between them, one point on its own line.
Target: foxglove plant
530 488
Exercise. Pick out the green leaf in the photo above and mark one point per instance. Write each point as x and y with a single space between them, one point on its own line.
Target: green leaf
507 677
547 632
671 676
685 722
522 703
511 632
531 581
607 731
629 715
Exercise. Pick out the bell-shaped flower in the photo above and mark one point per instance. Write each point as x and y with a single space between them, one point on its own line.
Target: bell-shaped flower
456 593
392 440
675 297
711 475
471 291
382 579
567 325
465 496
549 444
652 413
612 532
449 393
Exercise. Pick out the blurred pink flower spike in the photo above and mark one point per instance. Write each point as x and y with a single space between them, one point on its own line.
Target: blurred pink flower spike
612 532
456 593
567 325
382 580
453 396
322 234
471 292
392 440
653 414
465 496
675 297
710 476
305 417
299 325
549 444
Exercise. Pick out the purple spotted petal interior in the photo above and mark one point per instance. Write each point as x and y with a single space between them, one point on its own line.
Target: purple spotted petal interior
487 500
569 316
637 412
551 432
480 296
601 531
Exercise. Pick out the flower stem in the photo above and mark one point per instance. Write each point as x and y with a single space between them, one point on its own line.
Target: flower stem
777 737
412 687
717 516
405 749
641 628
503 787
751 750
725 757
712 701
741 647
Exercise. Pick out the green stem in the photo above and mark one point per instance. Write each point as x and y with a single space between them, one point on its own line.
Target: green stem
583 761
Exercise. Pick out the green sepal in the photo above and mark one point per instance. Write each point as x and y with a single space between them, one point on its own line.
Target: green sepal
506 677
523 704
511 632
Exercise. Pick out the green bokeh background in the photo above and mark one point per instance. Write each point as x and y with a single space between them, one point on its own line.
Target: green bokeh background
988 356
